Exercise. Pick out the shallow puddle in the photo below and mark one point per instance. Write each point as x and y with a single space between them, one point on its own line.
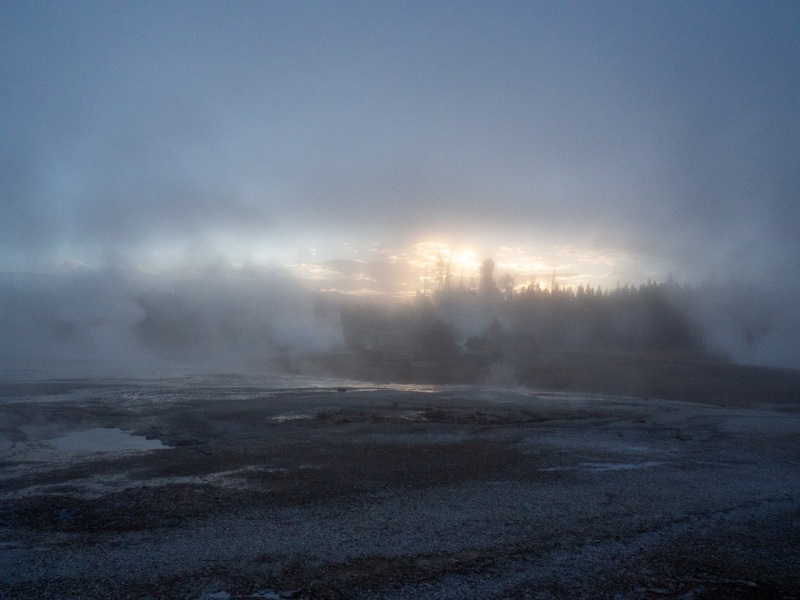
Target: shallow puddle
103 440
598 467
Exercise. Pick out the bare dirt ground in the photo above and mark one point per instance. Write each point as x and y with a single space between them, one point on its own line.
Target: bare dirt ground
228 489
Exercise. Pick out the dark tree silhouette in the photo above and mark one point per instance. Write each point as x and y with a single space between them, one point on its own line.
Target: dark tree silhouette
459 333
487 285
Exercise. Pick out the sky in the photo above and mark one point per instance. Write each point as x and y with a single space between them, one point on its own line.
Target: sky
351 145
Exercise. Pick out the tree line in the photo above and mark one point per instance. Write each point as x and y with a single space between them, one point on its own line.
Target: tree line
460 334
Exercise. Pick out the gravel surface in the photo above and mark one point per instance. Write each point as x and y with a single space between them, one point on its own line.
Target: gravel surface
225 489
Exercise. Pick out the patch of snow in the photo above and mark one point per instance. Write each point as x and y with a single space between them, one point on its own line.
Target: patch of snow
620 466
290 417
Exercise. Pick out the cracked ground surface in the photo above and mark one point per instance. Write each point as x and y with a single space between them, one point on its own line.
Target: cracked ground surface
231 488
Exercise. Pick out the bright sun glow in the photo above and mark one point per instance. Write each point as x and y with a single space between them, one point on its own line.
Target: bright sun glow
424 266
430 265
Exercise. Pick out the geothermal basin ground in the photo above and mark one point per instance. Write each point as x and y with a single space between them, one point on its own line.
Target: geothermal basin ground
233 488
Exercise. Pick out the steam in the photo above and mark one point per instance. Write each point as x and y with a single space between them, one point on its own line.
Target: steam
122 322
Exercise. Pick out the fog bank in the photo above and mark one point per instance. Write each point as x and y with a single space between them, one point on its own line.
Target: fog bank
121 322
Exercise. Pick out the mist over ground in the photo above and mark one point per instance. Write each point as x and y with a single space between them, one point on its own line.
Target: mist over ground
120 321
186 184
